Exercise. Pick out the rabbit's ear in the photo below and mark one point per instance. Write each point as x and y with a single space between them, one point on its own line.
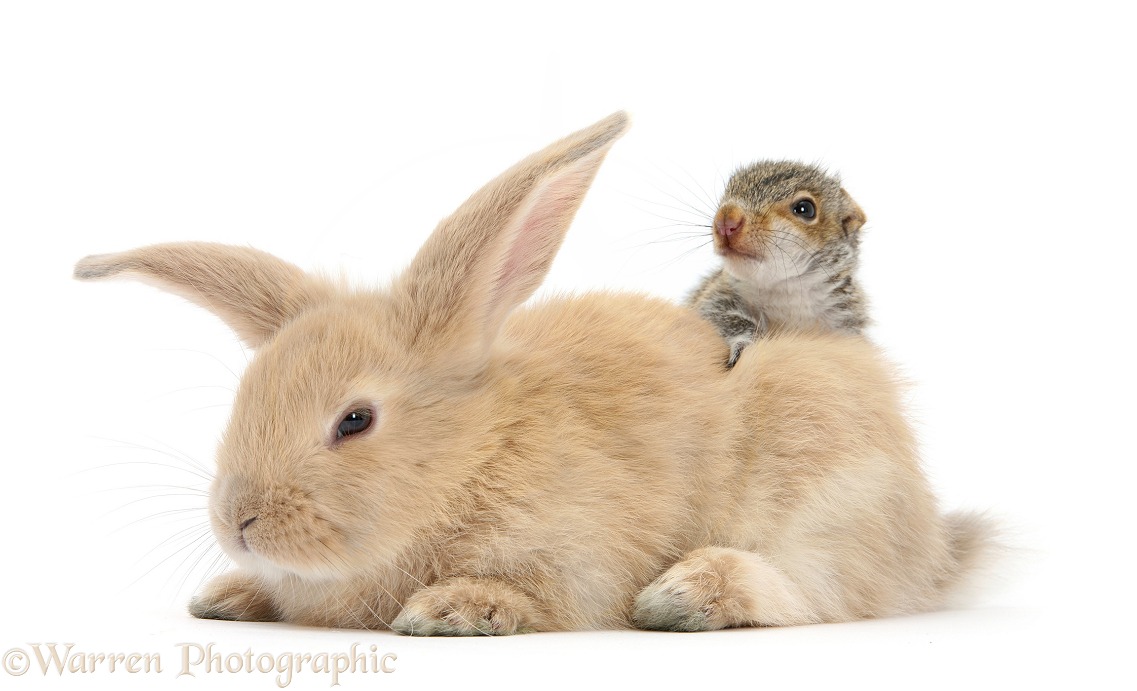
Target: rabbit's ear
252 291
492 253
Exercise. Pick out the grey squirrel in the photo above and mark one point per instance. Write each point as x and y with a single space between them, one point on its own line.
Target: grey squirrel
788 234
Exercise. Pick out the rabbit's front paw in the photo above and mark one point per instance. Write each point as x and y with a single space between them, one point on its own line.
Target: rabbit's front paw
467 607
717 588
685 598
234 596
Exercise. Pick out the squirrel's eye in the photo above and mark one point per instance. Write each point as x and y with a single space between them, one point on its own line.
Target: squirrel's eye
805 209
354 422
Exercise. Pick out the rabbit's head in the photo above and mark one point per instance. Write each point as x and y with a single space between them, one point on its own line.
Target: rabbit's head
363 413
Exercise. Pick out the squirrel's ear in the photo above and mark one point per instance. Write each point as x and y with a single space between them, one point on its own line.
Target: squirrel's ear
853 217
252 291
493 252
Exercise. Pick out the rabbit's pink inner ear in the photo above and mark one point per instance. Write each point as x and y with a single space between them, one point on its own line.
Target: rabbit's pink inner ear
539 229
491 254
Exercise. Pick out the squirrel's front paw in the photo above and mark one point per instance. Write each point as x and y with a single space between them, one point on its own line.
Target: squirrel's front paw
467 607
234 596
737 344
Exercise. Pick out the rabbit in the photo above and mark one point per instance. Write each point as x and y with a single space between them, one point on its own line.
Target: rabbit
438 460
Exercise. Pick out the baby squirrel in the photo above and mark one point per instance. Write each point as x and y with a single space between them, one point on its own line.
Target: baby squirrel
788 234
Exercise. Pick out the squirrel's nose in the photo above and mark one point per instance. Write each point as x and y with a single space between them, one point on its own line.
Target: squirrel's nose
729 220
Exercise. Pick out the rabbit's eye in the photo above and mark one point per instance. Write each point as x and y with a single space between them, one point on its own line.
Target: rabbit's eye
354 422
805 209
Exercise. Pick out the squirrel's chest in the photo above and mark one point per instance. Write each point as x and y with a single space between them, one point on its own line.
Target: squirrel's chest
796 302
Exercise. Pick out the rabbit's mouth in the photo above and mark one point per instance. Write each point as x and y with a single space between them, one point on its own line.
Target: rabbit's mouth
278 531
281 555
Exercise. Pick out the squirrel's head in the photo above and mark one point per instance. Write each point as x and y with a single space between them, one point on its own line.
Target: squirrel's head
771 209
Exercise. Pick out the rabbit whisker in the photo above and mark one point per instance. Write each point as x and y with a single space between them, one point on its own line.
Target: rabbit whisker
204 547
190 534
218 360
194 543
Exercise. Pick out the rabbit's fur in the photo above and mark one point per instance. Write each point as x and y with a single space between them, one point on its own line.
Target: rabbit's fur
579 463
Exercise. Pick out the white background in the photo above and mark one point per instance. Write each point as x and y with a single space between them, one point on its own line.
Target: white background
990 144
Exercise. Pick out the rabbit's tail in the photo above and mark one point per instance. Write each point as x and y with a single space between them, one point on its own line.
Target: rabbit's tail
972 540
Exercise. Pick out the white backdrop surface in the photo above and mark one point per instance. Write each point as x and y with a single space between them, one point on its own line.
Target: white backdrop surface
991 145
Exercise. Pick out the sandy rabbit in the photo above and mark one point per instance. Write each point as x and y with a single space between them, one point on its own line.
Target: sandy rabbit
436 459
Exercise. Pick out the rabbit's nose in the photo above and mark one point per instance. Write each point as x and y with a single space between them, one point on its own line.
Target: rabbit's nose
247 522
729 220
